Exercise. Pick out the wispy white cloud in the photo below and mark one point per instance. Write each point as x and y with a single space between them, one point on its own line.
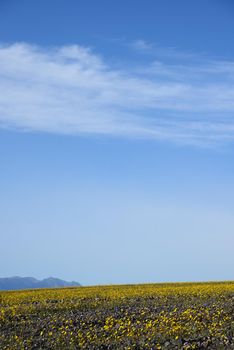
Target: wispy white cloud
72 90
169 53
141 45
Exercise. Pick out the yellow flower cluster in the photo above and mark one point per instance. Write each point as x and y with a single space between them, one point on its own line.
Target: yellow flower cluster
150 316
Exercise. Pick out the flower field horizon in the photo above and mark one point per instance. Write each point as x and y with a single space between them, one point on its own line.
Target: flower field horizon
185 315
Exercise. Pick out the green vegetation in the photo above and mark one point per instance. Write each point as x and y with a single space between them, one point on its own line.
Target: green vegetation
153 316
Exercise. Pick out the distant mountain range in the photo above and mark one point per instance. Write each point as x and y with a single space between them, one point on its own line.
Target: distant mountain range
13 283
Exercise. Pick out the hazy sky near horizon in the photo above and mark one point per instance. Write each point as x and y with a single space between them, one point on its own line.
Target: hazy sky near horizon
117 140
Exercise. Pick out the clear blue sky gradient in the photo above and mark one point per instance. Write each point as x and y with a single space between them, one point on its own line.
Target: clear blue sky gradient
104 209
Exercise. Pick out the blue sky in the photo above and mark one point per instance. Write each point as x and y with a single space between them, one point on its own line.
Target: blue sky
116 140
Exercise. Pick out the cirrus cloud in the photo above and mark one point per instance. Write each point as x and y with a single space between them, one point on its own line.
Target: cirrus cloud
72 90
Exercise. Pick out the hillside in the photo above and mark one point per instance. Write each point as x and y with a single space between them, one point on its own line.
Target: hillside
16 283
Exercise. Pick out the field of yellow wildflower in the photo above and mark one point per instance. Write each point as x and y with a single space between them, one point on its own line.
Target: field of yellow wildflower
150 316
